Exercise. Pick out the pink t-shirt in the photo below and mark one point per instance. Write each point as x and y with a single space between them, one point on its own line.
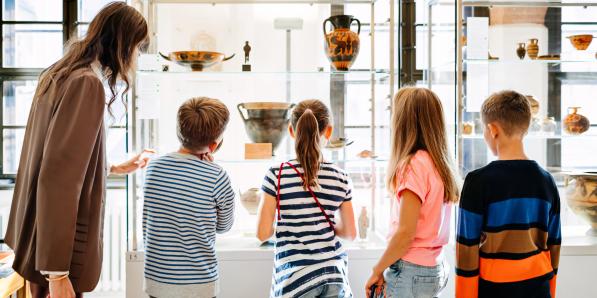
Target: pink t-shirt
433 227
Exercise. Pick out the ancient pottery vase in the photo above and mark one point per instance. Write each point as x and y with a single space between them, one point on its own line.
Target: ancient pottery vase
265 122
341 44
521 51
533 48
581 195
575 123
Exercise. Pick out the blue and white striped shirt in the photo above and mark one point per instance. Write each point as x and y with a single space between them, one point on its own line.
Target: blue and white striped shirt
307 253
187 201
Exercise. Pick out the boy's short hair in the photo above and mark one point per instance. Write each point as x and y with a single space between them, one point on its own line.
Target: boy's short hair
510 109
201 121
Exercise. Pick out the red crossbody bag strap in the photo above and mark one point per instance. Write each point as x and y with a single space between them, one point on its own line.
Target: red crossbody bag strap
314 197
278 193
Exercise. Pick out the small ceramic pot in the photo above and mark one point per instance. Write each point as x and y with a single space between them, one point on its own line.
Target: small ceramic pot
250 200
468 128
575 123
549 126
533 48
535 126
534 105
521 51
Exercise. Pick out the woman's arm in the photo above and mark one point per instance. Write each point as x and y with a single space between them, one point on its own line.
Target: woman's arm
345 227
400 242
266 217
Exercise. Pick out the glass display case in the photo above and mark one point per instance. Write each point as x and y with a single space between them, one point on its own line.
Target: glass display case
288 64
542 49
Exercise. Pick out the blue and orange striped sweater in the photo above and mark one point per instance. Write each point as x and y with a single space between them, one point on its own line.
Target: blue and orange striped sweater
508 237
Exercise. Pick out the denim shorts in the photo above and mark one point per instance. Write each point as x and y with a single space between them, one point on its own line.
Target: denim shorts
326 291
408 280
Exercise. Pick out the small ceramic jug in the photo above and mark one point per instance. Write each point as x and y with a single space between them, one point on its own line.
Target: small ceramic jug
533 48
521 50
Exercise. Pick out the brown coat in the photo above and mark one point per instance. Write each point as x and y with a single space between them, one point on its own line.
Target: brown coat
56 219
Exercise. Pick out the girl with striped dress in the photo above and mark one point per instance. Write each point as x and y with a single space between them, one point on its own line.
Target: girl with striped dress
307 203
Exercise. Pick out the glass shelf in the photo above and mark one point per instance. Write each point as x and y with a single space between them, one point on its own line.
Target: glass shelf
528 61
267 1
537 136
277 160
363 76
529 3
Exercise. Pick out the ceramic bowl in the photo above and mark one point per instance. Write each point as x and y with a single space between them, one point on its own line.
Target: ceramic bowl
581 42
581 195
196 60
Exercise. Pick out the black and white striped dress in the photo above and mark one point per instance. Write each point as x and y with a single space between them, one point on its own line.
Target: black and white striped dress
307 253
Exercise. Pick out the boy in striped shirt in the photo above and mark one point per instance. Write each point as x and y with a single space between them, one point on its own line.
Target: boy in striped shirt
187 200
508 238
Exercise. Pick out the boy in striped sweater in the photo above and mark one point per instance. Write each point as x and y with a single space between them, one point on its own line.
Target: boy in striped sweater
509 219
187 200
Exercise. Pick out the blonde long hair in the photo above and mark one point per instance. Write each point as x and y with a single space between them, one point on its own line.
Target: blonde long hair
418 124
309 120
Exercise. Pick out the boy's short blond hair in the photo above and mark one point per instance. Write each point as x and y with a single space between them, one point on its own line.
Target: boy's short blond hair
201 121
510 109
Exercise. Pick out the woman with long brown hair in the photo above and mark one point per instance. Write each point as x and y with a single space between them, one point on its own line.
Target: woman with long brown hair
313 200
423 183
55 225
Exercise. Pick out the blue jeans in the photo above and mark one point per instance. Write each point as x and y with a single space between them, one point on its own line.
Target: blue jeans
326 291
408 280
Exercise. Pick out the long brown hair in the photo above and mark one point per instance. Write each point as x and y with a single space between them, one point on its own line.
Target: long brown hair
113 37
418 124
309 120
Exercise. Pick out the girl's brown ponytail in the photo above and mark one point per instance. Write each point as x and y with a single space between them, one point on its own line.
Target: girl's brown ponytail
309 119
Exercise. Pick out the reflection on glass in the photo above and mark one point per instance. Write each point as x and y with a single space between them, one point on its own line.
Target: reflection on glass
116 145
17 97
89 8
32 10
13 142
21 44
82 30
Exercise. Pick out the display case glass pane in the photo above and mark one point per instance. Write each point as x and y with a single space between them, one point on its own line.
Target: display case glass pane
32 10
12 144
22 43
17 98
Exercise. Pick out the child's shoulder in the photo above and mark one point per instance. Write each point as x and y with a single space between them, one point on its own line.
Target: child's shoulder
421 159
185 162
510 170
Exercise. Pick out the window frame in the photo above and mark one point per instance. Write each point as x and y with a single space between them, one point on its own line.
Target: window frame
70 24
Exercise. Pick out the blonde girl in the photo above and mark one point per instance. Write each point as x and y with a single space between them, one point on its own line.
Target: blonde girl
302 197
423 185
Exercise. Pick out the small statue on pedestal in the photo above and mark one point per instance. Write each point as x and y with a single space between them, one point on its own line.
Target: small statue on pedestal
247 50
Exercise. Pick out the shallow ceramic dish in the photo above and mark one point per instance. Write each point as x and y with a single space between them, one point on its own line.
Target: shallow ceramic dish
338 143
196 60
549 57
581 42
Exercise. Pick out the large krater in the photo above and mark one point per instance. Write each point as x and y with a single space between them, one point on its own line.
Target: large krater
266 122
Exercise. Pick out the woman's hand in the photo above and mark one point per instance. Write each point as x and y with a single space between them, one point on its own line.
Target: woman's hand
139 161
62 289
376 278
